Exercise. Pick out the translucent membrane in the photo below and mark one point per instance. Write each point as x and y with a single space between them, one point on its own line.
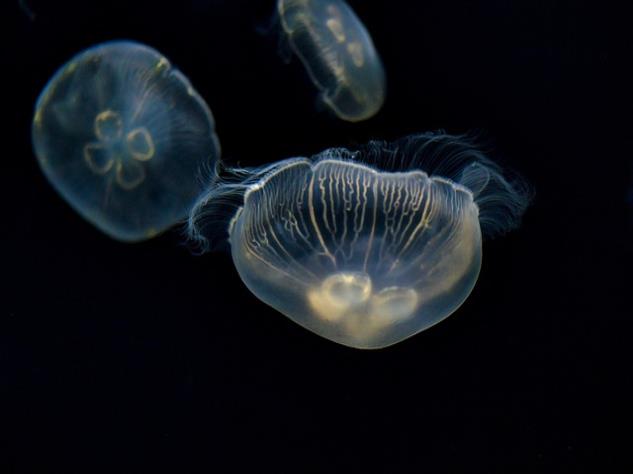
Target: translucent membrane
338 53
122 136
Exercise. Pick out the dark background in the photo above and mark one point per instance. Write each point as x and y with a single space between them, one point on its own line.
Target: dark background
146 358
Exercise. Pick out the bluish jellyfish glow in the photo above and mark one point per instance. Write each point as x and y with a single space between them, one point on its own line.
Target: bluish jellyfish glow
123 136
338 54
366 248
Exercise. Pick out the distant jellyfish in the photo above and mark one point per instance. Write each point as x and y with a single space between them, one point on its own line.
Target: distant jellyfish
366 248
123 136
338 53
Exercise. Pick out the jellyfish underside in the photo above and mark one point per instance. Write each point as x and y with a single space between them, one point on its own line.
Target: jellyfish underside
360 257
122 136
338 53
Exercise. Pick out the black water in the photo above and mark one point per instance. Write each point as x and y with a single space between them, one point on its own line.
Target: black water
145 358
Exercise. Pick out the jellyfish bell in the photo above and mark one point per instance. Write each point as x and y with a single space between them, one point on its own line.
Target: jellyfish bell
123 137
338 54
367 248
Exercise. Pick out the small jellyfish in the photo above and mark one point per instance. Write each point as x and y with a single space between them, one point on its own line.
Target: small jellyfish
366 248
338 54
123 136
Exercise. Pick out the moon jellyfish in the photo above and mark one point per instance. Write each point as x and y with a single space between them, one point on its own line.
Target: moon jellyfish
338 54
366 248
122 136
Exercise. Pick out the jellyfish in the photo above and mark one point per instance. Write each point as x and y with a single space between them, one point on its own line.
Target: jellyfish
124 138
368 247
338 53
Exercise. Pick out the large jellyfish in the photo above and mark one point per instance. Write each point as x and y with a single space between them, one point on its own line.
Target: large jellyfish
123 136
338 54
366 248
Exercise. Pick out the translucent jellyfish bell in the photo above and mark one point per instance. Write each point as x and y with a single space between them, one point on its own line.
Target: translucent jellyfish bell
122 136
338 54
367 249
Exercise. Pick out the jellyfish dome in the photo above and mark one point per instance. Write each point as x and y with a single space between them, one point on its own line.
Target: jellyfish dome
367 248
338 53
122 136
